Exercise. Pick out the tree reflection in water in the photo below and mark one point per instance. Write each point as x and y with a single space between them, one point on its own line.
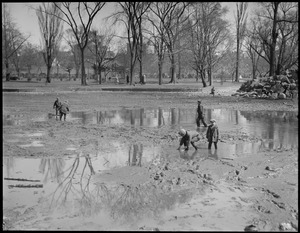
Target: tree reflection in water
121 202
128 204
137 152
68 186
9 163
51 166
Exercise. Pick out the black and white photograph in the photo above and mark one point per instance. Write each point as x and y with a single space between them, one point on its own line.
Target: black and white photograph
150 116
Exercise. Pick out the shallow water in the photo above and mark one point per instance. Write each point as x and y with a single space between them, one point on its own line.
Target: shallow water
70 193
68 188
278 129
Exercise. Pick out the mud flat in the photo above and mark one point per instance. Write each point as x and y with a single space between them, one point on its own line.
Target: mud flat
113 164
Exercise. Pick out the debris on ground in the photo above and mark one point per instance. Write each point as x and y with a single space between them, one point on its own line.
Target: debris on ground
273 87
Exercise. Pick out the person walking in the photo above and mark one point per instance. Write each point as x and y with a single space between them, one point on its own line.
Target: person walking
187 138
200 115
63 110
212 134
212 92
56 105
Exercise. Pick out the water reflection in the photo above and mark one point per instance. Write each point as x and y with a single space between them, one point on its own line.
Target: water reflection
278 129
73 190
52 169
188 155
135 155
200 153
12 119
69 183
213 154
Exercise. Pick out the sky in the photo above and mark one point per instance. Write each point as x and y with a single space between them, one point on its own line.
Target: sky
25 17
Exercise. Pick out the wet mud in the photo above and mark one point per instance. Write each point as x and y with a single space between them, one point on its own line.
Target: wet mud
113 165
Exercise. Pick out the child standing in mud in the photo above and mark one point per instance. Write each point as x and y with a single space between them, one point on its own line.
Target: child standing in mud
187 138
56 105
63 110
212 134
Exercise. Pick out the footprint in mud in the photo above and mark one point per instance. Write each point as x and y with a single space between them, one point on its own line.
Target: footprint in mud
263 209
208 202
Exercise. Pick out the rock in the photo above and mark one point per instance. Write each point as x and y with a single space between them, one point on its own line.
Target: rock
166 167
281 96
156 177
285 226
250 228
269 168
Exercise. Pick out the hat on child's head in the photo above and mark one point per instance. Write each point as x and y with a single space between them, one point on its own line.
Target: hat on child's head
212 120
182 132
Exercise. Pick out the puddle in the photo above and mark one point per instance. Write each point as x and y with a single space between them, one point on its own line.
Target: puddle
278 129
65 188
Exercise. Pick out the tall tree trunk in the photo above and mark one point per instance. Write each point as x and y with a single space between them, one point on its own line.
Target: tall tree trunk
202 75
160 66
273 44
179 65
253 71
173 78
99 75
141 54
48 78
209 74
76 72
7 71
83 78
237 58
131 69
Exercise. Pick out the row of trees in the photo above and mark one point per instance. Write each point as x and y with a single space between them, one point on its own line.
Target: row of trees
177 31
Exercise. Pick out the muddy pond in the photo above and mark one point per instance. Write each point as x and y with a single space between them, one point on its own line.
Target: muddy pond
65 185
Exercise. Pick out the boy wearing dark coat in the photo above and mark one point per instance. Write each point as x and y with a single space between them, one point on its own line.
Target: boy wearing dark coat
212 134
56 105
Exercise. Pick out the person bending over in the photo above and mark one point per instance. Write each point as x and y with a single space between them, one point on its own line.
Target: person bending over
187 138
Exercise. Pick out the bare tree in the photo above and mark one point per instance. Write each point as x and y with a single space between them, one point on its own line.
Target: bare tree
219 42
127 16
241 21
71 41
51 29
80 19
287 54
100 50
157 32
209 36
176 16
12 39
253 48
283 20
29 56
140 8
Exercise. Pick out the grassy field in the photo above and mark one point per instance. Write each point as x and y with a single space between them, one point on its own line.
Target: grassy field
57 85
